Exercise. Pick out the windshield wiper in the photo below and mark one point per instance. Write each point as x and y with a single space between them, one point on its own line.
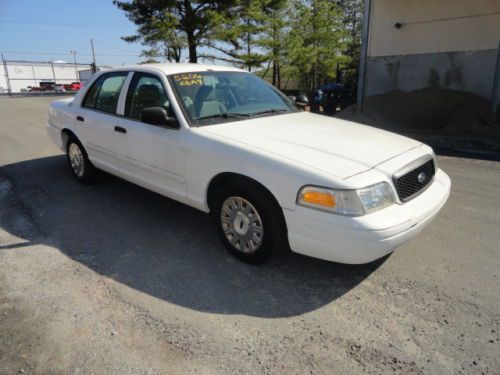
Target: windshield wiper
273 110
224 115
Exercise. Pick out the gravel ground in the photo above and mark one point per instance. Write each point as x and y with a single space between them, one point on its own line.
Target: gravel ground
114 279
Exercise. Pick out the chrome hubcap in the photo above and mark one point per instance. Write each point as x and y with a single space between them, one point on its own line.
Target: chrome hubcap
242 224
76 159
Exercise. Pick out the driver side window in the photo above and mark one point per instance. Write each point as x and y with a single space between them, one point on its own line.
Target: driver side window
145 91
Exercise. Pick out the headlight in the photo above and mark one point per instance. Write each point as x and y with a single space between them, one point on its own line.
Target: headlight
347 202
376 197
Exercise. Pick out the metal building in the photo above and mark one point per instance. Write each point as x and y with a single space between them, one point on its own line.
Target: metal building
415 44
28 76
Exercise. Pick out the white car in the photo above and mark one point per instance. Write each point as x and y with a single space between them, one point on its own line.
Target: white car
272 176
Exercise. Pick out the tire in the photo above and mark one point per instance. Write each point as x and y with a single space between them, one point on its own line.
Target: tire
79 163
249 221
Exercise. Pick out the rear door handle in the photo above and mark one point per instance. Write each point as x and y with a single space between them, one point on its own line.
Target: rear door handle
119 129
80 118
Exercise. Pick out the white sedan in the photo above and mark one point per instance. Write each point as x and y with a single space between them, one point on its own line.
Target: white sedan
272 176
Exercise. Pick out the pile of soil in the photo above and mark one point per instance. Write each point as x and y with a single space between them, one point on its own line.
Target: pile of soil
437 111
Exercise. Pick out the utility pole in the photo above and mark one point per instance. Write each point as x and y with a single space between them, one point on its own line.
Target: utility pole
76 68
34 75
54 74
94 67
9 89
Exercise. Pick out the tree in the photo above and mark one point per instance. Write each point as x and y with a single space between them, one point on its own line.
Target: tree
237 38
175 24
149 61
315 42
305 41
353 22
254 36
159 51
273 37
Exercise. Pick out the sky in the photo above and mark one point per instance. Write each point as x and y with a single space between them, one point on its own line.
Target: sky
47 30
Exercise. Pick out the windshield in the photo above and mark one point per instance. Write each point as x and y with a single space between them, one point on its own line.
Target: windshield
215 97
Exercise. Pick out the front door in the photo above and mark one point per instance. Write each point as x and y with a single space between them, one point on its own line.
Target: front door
150 155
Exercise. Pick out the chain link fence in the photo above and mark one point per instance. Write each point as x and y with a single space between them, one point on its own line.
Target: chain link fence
36 77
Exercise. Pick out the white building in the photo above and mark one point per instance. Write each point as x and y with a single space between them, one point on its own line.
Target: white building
22 75
415 44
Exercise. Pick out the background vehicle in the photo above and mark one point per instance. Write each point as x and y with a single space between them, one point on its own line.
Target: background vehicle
47 86
332 97
73 86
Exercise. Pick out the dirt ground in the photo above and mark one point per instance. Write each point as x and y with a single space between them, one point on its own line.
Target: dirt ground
114 279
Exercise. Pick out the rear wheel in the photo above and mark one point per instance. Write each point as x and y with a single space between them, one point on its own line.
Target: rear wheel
79 162
250 223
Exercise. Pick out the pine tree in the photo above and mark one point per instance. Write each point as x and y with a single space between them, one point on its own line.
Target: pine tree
272 40
353 21
316 41
175 24
237 38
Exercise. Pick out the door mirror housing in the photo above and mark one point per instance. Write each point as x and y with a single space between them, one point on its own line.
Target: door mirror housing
301 100
158 116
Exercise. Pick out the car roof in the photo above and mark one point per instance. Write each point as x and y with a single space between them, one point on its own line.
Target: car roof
175 68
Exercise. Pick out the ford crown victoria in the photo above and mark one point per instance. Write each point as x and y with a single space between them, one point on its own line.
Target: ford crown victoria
272 176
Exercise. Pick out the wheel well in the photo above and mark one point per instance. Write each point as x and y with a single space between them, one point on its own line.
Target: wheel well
65 135
228 177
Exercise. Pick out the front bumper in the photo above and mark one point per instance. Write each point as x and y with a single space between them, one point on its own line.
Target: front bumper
363 239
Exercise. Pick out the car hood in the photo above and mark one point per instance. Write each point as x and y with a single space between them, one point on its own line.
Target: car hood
337 147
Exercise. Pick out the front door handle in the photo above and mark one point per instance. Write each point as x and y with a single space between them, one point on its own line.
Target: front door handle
119 129
80 118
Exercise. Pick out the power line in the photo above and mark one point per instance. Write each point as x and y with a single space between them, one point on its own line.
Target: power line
67 54
115 48
55 24
37 53
84 48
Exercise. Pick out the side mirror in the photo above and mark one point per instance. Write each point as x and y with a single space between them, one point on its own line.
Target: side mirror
302 100
158 116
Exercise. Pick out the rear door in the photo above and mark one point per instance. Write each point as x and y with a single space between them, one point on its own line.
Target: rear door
97 119
150 155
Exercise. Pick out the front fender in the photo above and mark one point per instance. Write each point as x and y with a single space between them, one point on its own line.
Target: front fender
208 155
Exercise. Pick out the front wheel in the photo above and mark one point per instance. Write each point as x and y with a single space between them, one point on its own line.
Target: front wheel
249 222
79 162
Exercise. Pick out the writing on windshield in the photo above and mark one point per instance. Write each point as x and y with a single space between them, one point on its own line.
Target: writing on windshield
215 97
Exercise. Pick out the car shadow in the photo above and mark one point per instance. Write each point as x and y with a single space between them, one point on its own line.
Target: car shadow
158 246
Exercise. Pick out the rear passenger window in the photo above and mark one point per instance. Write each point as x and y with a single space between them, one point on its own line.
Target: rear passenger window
104 94
92 93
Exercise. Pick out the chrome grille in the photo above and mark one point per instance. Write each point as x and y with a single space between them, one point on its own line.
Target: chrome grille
414 182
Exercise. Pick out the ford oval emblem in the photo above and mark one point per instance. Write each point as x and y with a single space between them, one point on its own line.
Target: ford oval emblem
421 177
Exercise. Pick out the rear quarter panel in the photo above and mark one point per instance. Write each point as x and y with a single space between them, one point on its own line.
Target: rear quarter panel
61 116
